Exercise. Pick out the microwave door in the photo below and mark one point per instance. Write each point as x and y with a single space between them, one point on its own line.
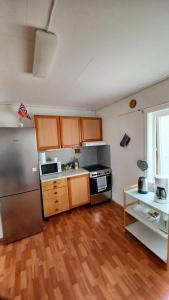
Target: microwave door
49 168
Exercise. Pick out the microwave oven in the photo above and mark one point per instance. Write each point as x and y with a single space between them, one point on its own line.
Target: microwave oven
50 168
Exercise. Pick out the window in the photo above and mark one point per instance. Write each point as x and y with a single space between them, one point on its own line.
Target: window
158 144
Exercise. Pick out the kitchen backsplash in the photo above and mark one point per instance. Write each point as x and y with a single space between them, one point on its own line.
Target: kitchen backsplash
87 155
103 155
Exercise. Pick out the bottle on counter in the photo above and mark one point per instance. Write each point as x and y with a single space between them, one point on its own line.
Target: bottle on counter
76 164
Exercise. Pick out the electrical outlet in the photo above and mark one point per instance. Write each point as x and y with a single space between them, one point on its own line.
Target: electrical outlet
77 151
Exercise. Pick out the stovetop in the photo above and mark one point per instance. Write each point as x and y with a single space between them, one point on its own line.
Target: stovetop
94 168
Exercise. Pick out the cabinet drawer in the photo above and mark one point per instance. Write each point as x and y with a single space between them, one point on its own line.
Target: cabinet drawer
55 201
52 184
56 193
59 206
54 207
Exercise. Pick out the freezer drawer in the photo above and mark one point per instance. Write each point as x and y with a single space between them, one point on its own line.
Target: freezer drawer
21 216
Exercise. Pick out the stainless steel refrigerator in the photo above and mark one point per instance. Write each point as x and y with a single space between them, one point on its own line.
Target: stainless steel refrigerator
20 197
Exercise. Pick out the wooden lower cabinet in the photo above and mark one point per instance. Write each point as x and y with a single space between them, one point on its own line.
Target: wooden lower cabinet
63 194
55 197
79 191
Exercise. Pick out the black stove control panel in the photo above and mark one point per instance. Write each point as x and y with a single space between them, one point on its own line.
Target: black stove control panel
105 172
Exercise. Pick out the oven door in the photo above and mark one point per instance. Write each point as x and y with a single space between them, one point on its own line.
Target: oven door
94 186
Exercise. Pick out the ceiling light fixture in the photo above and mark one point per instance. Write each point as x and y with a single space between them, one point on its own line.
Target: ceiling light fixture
45 48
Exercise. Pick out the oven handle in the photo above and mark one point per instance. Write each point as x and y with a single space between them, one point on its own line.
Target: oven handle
107 175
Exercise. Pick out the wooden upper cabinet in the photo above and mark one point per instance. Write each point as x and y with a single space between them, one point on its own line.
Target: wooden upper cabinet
47 132
79 191
70 131
91 129
66 131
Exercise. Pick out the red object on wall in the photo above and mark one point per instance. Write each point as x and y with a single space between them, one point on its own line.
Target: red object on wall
23 112
28 116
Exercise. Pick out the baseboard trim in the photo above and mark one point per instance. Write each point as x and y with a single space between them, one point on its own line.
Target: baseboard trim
118 204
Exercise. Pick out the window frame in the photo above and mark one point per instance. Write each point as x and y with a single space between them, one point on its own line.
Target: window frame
151 117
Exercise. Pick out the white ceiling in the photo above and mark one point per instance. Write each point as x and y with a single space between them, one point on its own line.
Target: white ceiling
107 49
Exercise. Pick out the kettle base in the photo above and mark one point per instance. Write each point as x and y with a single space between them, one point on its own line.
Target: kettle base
142 192
161 201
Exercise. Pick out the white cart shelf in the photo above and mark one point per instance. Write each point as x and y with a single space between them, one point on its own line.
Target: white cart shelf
145 228
149 222
153 241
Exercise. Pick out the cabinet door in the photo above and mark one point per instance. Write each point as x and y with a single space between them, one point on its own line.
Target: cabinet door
78 190
47 132
70 131
91 129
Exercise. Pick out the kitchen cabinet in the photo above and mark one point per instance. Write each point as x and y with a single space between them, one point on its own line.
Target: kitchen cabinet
53 132
63 194
91 129
47 132
70 131
78 187
55 197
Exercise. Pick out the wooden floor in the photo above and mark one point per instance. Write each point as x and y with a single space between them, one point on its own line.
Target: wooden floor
83 255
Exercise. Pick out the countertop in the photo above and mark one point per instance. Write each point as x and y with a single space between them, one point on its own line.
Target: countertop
63 174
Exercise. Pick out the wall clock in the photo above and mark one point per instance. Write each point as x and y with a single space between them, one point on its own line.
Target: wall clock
132 103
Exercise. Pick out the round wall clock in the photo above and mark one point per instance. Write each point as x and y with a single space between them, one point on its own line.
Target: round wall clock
132 103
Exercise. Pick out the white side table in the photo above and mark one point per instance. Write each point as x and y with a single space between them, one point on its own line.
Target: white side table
146 228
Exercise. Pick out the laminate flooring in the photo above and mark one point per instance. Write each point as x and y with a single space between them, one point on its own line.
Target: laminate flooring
82 255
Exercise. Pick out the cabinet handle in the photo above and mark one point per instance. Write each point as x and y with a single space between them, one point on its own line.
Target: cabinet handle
54 186
54 181
56 209
55 193
56 201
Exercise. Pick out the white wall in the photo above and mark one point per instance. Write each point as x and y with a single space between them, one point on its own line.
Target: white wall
9 116
124 160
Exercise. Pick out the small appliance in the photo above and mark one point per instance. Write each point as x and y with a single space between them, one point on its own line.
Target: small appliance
100 183
50 168
142 185
161 193
161 189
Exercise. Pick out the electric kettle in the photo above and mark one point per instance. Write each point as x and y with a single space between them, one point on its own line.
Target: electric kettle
142 185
